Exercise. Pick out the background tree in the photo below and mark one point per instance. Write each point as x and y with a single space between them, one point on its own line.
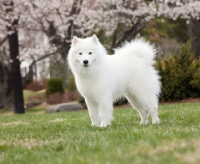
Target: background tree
15 75
45 28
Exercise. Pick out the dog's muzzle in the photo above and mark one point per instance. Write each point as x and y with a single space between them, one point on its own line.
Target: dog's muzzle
85 63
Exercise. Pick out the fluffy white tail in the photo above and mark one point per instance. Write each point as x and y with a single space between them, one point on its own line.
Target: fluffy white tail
140 48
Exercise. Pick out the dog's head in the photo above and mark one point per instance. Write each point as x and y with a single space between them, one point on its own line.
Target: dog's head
84 52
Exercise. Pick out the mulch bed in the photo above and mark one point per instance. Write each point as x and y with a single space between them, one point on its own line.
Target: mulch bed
188 100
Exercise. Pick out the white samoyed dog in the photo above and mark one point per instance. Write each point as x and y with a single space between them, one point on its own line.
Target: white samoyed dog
102 79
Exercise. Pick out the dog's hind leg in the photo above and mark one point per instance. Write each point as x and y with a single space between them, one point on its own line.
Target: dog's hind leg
154 116
143 113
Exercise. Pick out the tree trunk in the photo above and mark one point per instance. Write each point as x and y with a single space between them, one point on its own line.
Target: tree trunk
6 86
2 88
194 31
131 33
14 54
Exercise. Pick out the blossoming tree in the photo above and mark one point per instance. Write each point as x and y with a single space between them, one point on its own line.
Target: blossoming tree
45 28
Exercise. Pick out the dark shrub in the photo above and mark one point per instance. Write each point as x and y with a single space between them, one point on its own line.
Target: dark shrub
81 100
121 101
180 75
54 85
71 84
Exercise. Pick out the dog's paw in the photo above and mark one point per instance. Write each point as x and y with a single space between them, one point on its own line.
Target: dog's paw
95 122
156 121
144 122
103 125
95 125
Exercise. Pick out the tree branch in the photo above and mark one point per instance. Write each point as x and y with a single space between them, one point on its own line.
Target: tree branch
43 57
131 33
74 11
29 76
3 40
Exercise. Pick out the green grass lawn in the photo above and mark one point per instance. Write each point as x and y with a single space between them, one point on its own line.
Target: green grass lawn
68 138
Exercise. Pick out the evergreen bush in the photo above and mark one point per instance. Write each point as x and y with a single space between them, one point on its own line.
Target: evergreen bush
120 101
71 83
81 100
180 75
54 85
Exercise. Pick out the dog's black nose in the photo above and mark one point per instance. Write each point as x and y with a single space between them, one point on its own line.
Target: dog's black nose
85 62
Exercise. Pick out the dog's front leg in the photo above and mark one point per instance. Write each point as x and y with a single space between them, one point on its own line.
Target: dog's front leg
106 112
93 112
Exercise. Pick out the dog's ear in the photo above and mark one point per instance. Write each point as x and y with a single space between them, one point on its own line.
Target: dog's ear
74 40
95 39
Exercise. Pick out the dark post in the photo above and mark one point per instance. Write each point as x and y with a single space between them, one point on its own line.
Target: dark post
12 23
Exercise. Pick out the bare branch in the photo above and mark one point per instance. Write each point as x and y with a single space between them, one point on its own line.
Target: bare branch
3 40
43 57
131 33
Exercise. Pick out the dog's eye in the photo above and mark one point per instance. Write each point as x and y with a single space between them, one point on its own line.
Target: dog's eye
90 53
80 53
